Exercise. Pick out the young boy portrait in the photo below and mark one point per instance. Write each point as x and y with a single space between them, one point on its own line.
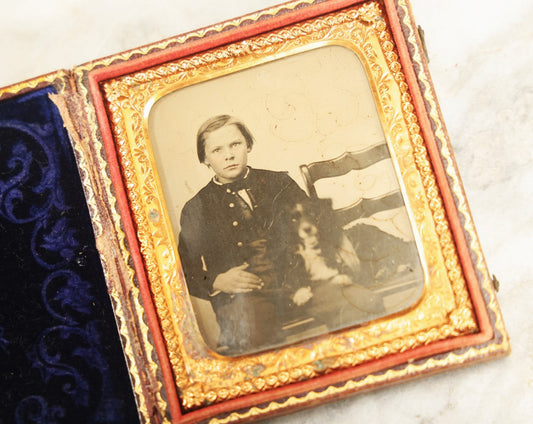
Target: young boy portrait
225 247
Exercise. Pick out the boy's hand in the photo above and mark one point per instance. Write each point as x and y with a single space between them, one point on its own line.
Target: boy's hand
237 280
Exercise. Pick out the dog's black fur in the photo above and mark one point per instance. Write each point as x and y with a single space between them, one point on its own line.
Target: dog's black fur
310 226
320 268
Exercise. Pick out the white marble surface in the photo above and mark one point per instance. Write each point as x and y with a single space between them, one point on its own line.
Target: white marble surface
481 61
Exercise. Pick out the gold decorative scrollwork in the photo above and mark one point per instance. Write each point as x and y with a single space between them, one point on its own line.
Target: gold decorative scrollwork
445 310
453 174
58 79
201 376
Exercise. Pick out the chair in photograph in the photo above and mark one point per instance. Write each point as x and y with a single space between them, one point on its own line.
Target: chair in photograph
397 284
365 207
343 164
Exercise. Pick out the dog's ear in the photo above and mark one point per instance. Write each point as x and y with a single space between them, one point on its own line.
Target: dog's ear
323 209
327 221
279 218
281 228
327 204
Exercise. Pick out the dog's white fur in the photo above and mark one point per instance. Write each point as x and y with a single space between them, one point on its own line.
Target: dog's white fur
316 266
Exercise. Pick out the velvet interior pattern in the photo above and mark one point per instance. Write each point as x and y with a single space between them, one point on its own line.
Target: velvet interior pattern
60 354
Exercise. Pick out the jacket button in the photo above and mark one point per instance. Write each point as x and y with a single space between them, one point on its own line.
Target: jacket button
235 223
231 205
239 244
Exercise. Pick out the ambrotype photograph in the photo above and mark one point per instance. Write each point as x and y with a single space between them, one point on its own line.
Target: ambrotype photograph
285 203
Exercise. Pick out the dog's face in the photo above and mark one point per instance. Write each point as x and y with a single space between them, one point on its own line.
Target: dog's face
307 223
304 222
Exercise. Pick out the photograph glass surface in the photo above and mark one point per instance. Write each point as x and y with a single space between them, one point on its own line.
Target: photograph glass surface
310 198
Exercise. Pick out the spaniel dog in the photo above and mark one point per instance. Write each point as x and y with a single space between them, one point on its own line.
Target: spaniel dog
322 268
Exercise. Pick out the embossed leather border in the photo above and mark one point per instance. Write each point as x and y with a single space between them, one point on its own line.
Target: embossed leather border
449 209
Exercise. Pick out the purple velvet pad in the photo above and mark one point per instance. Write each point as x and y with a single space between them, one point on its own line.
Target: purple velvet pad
60 353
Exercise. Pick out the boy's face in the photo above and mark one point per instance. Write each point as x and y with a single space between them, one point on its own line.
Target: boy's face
226 153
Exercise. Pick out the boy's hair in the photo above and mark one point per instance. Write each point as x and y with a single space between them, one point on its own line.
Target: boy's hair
215 123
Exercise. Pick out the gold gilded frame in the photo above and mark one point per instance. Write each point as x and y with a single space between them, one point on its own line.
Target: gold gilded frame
176 378
445 322
444 311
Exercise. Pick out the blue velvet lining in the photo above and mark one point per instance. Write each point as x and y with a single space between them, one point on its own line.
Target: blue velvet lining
60 354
